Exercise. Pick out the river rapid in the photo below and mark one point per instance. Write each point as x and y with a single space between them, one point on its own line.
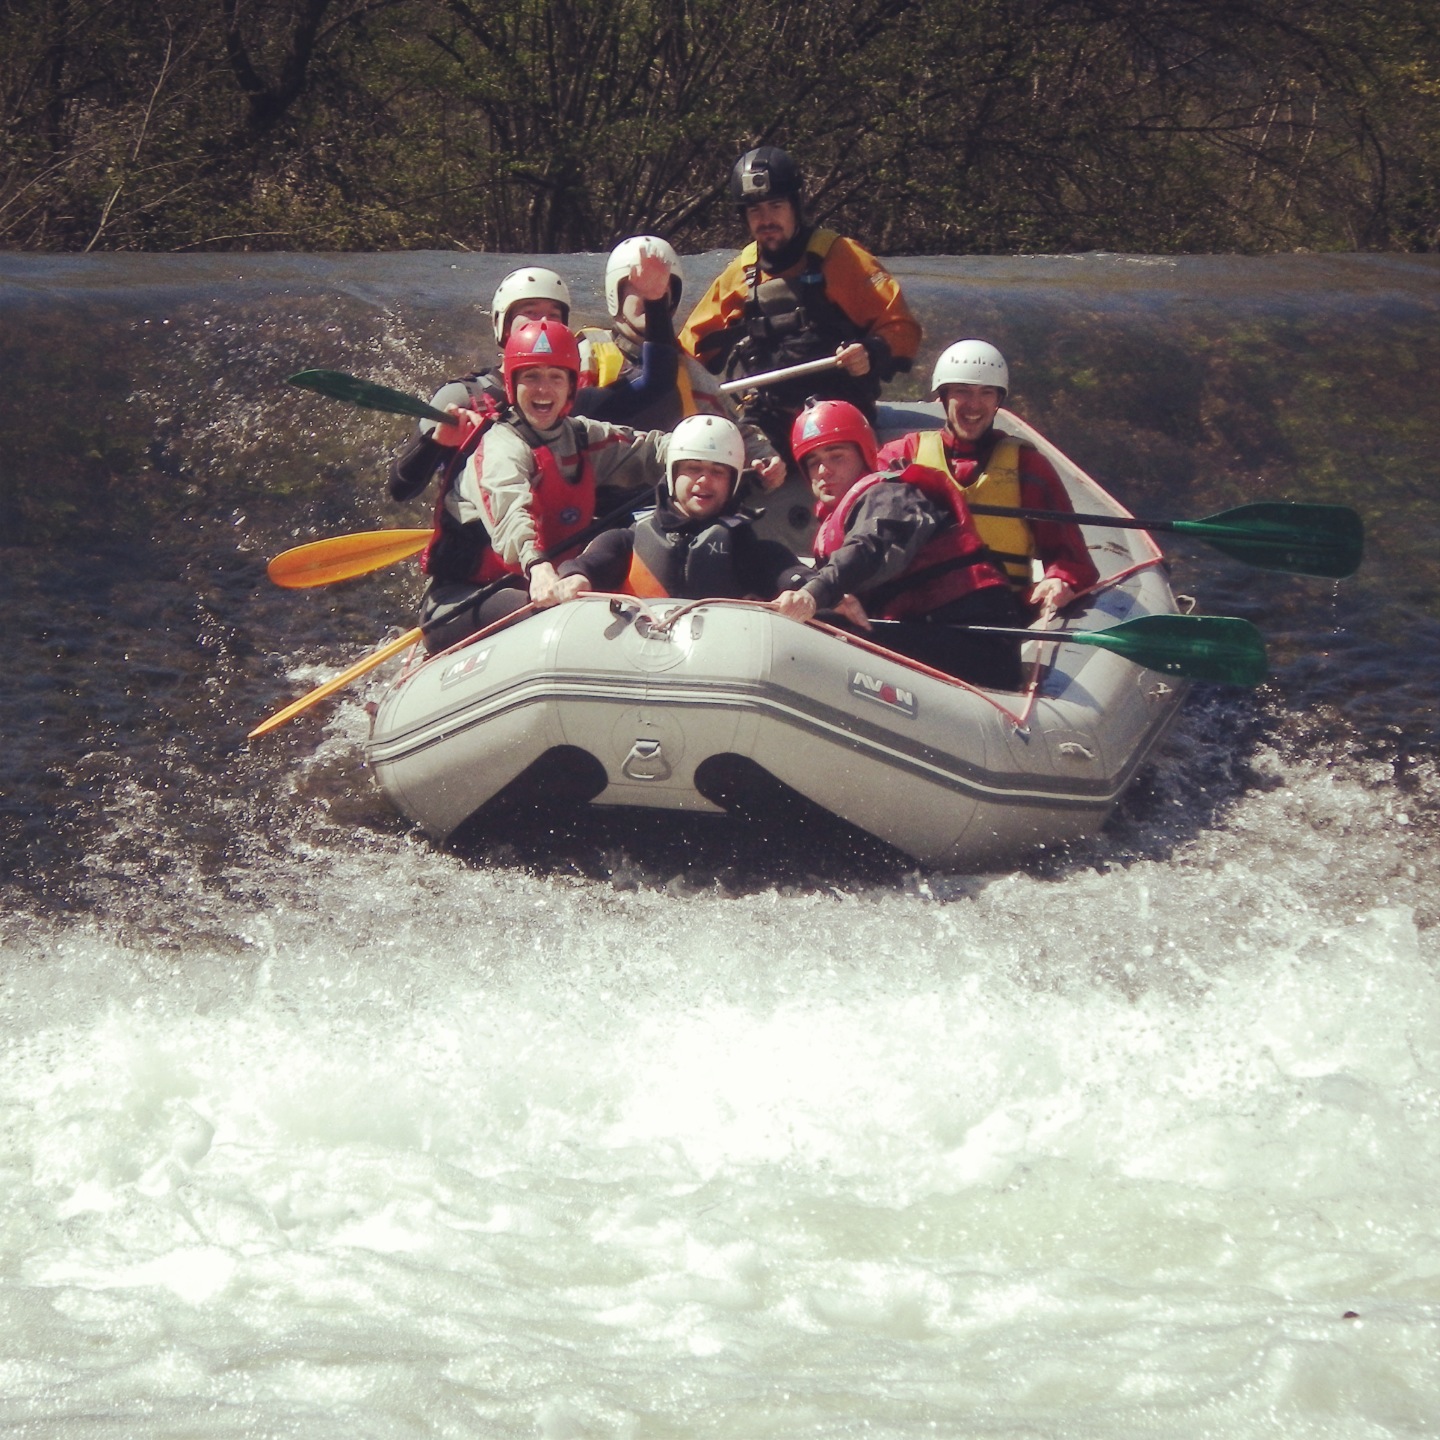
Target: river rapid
603 1128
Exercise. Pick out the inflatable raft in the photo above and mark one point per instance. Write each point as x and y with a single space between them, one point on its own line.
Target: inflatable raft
716 706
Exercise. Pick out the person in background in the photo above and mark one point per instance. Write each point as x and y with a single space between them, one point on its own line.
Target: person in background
693 545
532 485
618 353
535 293
971 379
901 542
798 293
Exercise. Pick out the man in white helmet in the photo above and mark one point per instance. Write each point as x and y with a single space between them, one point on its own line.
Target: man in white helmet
536 293
634 326
970 380
693 545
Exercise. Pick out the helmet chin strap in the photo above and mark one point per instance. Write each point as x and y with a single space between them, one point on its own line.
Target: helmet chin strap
627 338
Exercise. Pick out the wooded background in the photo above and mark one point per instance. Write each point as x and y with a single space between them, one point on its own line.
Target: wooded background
545 126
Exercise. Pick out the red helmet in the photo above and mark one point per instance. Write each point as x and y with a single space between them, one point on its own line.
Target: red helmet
832 422
540 342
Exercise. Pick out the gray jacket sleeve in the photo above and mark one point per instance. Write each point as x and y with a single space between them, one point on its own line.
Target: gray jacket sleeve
498 481
495 488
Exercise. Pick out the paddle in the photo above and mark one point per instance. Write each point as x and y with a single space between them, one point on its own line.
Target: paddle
366 394
774 377
323 562
1300 539
1199 647
363 667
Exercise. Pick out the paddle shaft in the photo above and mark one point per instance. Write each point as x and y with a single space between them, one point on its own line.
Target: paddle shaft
361 667
1283 524
1292 537
365 666
1115 522
774 377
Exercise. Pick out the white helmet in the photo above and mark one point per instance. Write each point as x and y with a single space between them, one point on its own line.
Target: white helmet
624 258
706 437
970 362
532 283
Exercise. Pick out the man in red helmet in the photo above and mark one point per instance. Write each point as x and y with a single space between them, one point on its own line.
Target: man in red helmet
533 485
797 293
902 542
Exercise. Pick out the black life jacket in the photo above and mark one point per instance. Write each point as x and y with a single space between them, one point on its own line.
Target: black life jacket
952 564
789 321
683 562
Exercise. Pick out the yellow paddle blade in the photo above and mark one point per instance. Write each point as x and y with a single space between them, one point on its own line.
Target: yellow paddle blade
323 562
361 667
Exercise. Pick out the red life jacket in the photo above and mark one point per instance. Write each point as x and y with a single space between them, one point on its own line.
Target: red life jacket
489 408
560 508
953 563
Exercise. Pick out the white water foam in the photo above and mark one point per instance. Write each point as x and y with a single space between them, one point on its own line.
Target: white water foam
431 1149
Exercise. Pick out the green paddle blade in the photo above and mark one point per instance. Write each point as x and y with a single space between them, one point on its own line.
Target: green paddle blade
1324 540
1299 539
366 394
1199 647
1221 648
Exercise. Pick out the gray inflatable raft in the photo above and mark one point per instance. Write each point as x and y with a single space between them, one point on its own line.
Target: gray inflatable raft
714 705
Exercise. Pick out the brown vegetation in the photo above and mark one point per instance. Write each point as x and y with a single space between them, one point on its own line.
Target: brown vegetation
927 126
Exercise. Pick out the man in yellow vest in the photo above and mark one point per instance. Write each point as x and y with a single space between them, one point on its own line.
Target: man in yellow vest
798 293
989 467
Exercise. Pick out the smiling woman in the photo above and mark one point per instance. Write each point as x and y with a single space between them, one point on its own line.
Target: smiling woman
544 394
528 494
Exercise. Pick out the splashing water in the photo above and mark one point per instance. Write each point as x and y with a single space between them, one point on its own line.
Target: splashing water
312 1129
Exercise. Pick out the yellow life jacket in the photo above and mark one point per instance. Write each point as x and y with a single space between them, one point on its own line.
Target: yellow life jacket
606 360
1008 538
686 389
602 358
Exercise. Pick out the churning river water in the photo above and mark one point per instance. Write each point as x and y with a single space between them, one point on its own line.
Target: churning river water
630 1130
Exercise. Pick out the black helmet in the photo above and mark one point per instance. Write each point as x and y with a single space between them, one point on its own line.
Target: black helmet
765 174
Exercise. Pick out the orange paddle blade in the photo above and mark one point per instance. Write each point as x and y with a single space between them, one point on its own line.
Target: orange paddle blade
323 562
361 667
